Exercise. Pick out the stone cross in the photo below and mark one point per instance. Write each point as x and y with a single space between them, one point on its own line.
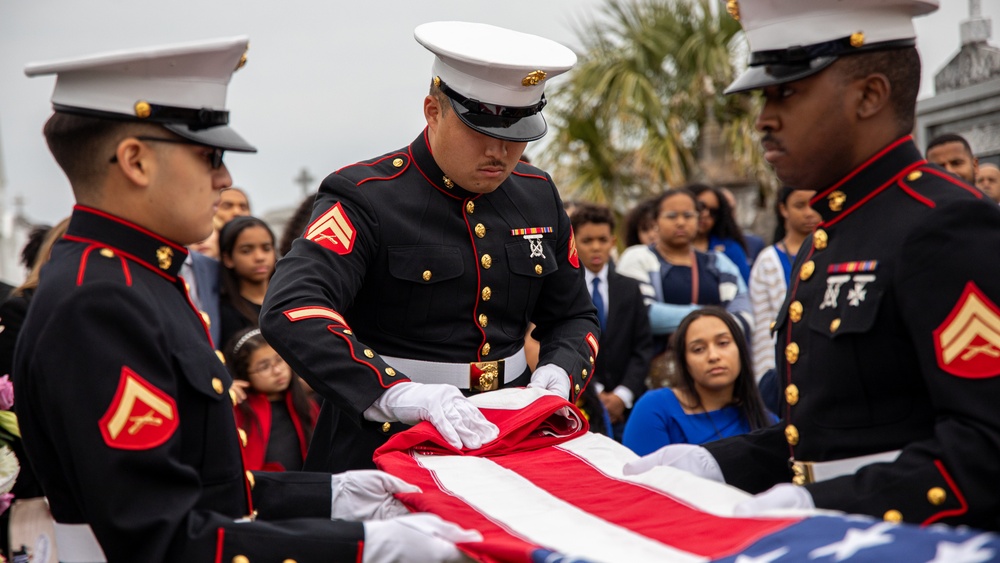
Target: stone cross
305 180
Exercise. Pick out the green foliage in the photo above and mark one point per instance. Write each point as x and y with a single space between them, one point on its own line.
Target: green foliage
628 120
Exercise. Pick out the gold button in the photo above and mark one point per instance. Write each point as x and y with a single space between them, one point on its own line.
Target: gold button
772 325
233 397
289 561
369 353
834 325
470 207
222 358
792 352
820 239
584 373
937 496
837 200
792 394
792 434
217 385
487 293
915 175
487 261
243 436
250 480
397 162
449 184
205 318
107 253
348 332
187 286
857 39
483 320
480 230
538 269
795 311
386 426
486 349
894 516
241 559
576 388
143 110
591 359
807 270
427 275
390 372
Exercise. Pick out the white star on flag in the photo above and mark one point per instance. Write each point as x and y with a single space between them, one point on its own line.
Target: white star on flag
854 541
969 551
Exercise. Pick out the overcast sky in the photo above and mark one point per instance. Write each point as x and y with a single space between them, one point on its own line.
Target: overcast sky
328 83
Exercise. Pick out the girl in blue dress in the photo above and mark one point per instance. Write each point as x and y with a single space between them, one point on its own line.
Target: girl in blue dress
715 395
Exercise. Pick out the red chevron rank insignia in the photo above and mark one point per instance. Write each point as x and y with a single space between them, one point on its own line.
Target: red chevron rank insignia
141 417
967 343
574 258
333 231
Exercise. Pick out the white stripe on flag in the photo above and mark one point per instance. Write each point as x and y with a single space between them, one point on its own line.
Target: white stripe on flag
609 457
532 513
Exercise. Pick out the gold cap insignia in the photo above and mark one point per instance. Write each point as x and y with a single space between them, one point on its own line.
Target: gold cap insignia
165 257
733 7
243 59
143 109
436 81
533 78
857 39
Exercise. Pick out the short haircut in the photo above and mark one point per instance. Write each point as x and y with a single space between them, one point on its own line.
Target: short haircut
945 138
590 213
441 97
82 145
902 68
640 218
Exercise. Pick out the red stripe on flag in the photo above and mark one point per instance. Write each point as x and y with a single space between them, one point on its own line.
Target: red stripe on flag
641 509
500 543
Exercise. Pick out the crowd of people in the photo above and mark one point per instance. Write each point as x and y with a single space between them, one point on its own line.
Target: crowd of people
848 365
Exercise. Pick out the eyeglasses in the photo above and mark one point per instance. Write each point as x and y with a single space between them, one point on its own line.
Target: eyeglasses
273 364
674 215
713 211
214 158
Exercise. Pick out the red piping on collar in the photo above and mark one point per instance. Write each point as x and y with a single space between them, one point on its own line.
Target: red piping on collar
99 244
857 170
130 225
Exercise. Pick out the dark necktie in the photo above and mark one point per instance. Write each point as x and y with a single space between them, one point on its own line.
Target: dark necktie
599 304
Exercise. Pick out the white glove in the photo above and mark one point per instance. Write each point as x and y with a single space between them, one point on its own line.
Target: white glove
552 378
367 495
780 496
416 537
687 457
458 420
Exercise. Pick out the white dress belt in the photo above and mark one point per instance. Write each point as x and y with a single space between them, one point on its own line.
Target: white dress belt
816 471
422 371
76 543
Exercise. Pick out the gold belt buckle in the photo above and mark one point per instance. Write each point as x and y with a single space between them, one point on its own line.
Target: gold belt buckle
802 472
485 376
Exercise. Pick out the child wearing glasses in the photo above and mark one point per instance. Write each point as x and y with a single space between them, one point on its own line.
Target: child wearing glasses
277 418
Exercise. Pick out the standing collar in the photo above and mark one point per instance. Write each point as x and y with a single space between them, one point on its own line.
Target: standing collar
420 153
871 177
97 227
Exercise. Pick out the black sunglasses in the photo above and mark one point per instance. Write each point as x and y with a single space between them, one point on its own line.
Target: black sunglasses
215 159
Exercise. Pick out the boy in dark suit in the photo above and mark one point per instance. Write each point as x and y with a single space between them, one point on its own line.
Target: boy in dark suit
626 340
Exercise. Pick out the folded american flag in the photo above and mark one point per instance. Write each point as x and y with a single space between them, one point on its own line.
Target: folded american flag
549 491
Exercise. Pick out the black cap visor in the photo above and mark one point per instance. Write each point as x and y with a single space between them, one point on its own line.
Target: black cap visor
221 136
518 130
762 76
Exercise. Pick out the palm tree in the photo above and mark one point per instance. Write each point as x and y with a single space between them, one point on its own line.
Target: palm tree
629 120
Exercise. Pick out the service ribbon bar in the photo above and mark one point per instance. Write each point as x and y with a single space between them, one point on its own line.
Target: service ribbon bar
530 231
851 267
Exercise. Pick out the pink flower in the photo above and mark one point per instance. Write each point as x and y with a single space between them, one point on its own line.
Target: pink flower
5 500
6 393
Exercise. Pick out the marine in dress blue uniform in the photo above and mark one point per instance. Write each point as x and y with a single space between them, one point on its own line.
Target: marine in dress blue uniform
404 275
124 406
888 343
